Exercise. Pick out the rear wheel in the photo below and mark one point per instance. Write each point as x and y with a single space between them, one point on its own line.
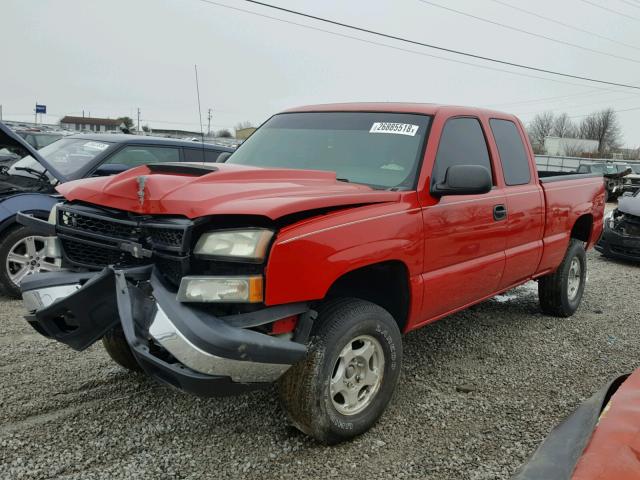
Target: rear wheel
349 375
116 345
22 253
560 293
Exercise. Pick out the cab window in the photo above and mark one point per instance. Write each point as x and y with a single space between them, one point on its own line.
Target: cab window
462 143
513 156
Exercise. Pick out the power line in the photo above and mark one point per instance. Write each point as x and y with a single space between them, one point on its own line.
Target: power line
436 47
630 3
611 10
527 32
566 25
401 49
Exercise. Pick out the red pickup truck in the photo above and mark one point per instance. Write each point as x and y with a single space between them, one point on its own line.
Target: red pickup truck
304 256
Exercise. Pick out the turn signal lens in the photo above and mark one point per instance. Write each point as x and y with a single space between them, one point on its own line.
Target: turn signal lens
221 289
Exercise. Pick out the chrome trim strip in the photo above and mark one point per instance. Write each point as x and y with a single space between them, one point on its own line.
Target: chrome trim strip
168 335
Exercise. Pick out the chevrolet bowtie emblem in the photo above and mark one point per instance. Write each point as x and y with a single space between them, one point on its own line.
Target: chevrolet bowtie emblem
141 182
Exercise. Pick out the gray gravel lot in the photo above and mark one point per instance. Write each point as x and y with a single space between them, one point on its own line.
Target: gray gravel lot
69 415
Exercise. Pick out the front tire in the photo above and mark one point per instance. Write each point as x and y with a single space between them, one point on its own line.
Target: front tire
22 253
560 292
116 345
349 375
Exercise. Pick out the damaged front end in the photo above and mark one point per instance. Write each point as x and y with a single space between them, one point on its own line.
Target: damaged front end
621 235
180 345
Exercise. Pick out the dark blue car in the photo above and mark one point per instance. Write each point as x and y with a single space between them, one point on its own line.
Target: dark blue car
28 185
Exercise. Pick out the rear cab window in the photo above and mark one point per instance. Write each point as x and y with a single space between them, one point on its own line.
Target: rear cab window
135 155
462 142
513 155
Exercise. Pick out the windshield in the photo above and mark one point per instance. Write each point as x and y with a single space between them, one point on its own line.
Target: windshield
378 149
67 155
635 168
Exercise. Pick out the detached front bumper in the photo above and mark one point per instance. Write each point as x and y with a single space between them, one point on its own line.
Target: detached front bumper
177 344
614 244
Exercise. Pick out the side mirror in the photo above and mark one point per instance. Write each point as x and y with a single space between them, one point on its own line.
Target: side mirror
464 180
107 169
223 157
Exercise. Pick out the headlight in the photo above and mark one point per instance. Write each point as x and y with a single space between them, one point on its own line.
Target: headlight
608 219
221 289
53 214
248 244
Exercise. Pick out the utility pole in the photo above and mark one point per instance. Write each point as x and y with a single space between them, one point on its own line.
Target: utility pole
209 124
138 119
0 112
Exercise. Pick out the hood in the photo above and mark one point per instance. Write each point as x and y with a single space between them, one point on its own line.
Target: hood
629 205
226 190
9 138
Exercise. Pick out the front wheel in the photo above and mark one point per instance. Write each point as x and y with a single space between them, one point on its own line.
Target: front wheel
116 345
349 375
22 253
560 292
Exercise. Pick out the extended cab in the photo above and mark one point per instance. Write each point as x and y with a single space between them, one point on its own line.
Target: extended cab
303 258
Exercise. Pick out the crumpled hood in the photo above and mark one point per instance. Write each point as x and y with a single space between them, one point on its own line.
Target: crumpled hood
228 190
629 205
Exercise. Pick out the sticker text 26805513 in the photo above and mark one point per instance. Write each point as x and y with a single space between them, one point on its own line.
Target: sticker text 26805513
396 128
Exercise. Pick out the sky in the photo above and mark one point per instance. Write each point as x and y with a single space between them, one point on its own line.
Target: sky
111 58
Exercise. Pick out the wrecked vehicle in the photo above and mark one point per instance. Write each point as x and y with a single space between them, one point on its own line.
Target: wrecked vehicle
621 235
614 177
301 259
632 181
598 441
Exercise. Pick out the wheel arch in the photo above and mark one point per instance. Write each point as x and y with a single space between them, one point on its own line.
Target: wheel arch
385 283
582 227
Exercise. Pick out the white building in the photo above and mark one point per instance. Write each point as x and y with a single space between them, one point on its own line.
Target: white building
569 147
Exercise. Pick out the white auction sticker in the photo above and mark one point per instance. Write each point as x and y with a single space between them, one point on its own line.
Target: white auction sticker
396 128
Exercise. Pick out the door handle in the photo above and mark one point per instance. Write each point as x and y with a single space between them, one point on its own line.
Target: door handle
499 212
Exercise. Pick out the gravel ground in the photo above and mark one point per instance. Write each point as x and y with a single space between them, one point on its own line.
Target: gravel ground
478 392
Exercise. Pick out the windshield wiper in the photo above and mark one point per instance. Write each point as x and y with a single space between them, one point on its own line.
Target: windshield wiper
346 180
40 175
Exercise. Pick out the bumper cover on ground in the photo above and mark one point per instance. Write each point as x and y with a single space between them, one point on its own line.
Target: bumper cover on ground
179 345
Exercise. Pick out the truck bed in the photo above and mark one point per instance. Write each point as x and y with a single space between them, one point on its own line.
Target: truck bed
568 197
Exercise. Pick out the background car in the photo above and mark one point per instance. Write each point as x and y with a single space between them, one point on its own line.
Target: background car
632 181
39 139
29 185
613 174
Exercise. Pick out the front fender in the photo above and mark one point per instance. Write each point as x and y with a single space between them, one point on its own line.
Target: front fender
303 264
27 202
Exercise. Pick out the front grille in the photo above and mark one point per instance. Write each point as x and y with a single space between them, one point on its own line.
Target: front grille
97 225
96 256
95 238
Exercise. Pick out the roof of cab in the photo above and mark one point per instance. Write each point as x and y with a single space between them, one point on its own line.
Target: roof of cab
420 108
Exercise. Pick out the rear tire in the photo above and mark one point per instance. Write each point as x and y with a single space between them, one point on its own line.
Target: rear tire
116 345
349 375
560 292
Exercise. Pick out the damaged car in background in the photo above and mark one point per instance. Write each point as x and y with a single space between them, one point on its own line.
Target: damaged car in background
621 236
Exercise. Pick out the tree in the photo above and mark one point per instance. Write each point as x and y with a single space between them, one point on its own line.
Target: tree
224 133
146 129
563 127
128 122
539 128
243 125
604 127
